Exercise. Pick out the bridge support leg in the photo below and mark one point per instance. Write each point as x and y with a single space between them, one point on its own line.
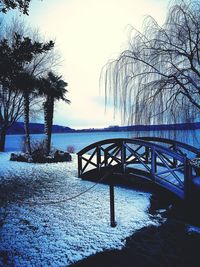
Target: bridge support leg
79 166
112 207
187 181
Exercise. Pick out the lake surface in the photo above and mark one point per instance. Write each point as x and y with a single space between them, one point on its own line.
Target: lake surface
80 140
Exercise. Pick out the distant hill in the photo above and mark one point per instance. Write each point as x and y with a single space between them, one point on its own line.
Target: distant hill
160 127
37 128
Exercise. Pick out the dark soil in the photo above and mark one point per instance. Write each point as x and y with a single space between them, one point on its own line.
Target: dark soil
169 245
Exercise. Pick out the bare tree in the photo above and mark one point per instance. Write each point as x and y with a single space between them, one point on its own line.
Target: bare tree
41 63
157 79
11 104
11 110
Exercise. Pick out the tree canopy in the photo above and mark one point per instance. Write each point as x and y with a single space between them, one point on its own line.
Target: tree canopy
22 5
157 79
54 86
14 56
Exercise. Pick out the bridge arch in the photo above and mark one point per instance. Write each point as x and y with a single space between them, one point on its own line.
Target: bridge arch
168 166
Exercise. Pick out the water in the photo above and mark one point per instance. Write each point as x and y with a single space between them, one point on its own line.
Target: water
80 140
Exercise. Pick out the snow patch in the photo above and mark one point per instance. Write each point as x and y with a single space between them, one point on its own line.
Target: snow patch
62 233
193 229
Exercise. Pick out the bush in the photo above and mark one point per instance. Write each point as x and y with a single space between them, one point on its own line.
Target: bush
36 145
38 154
37 148
71 149
38 151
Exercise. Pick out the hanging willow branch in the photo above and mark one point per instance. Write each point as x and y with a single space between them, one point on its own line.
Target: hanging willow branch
157 79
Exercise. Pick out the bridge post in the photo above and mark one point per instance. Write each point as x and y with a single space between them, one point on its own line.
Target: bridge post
187 179
123 156
98 158
79 166
146 154
112 206
153 163
105 158
174 159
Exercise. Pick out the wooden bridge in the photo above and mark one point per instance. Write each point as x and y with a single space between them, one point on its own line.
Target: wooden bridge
161 161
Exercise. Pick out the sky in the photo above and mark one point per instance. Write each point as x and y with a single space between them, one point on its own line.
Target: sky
88 33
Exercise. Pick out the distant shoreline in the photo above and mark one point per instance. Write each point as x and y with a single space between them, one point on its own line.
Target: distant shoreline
161 127
38 128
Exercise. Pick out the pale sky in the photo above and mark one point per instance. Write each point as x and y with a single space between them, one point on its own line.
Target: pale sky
88 33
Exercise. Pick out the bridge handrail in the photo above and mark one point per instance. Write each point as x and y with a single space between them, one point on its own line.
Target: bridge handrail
172 142
162 149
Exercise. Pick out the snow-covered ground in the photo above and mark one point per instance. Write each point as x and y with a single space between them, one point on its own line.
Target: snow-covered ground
35 232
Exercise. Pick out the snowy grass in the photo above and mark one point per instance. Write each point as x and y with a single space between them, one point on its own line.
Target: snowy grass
33 234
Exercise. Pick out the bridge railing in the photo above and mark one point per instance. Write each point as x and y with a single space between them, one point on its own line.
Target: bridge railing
177 146
162 165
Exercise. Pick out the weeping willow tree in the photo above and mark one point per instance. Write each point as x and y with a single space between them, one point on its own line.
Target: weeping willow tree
157 79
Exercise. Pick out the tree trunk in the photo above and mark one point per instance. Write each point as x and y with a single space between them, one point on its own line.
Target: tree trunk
26 122
3 139
48 121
